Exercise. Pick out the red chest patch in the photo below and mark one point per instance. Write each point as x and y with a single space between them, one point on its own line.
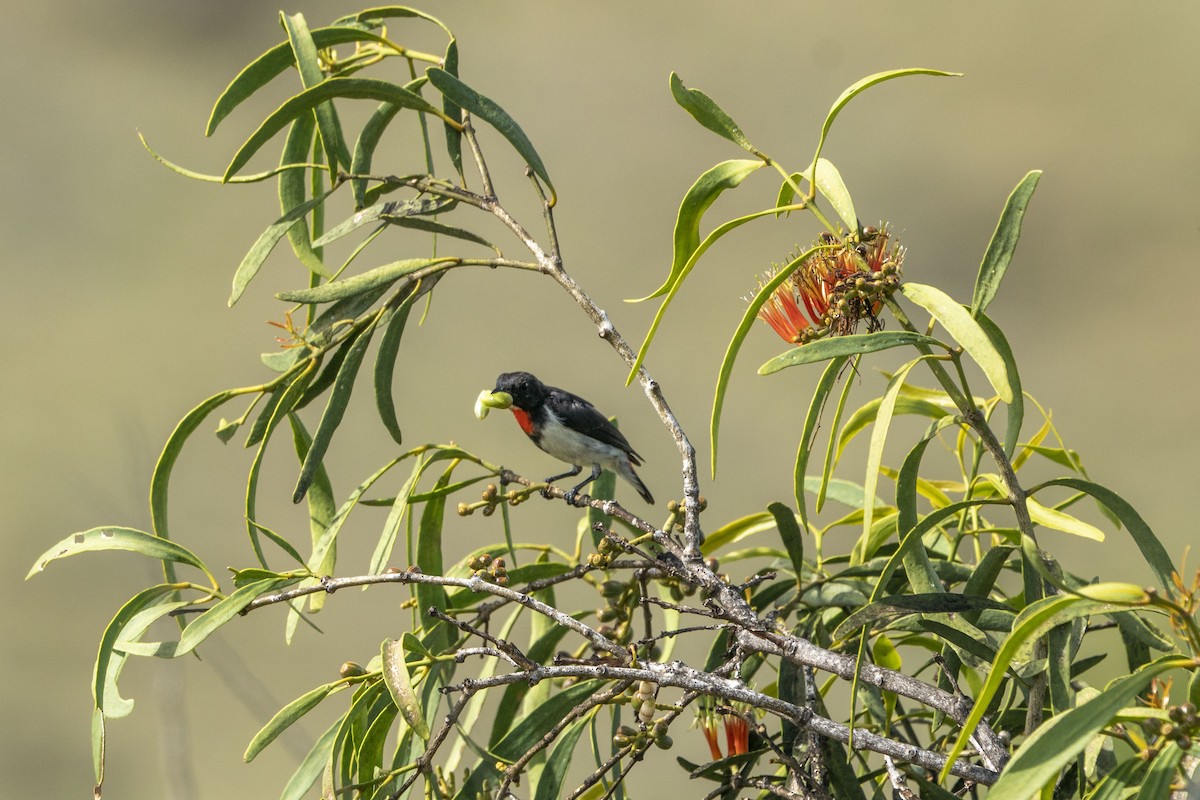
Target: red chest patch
523 420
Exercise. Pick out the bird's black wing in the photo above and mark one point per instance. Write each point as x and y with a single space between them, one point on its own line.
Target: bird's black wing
593 423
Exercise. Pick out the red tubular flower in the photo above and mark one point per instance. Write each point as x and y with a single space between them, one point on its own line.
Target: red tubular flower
839 285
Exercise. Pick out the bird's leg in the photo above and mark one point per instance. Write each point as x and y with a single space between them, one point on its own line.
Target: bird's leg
578 469
570 496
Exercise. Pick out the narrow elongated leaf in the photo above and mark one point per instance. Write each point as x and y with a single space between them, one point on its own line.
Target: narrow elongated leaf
959 323
1016 407
916 562
429 226
487 110
699 197
867 413
116 538
808 434
161 479
309 99
224 611
385 366
550 784
890 609
792 536
839 409
861 86
735 344
399 683
335 409
883 422
275 62
735 531
110 661
527 731
253 260
309 67
1003 244
1058 741
359 284
709 240
824 349
288 715
454 135
368 140
1151 548
1061 521
831 186
312 765
705 111
429 558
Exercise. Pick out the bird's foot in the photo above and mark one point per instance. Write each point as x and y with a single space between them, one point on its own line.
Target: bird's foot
549 487
573 498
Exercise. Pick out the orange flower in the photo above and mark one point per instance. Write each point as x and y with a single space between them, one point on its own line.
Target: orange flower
839 285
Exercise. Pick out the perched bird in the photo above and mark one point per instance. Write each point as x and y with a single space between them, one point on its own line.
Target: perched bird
567 427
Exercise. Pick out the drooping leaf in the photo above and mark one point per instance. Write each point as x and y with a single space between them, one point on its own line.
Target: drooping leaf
699 197
275 62
831 186
862 85
110 660
1059 740
486 109
705 111
287 716
700 250
314 762
309 99
364 282
399 683
824 349
792 536
117 538
1151 548
1003 244
385 366
307 64
1061 521
550 784
808 434
735 344
959 323
1016 407
253 260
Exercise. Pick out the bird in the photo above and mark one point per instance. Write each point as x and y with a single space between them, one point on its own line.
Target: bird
567 427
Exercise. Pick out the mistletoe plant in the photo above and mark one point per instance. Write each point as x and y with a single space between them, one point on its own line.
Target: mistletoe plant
964 645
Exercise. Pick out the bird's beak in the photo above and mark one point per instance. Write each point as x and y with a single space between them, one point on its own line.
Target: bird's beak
489 400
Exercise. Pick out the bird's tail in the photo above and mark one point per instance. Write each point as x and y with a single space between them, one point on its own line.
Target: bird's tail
626 470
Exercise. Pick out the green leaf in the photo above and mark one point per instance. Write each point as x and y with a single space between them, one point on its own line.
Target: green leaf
736 530
1004 242
253 260
368 140
430 559
808 435
527 731
335 409
161 479
1058 741
429 226
883 422
1151 548
380 277
1016 407
128 621
862 85
867 414
709 240
224 611
824 349
699 197
550 784
831 186
487 110
916 562
309 99
385 366
959 323
1061 521
886 610
313 764
309 67
792 536
735 344
399 683
116 538
705 111
287 715
273 63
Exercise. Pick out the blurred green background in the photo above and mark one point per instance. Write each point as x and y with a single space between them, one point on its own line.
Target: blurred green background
117 272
